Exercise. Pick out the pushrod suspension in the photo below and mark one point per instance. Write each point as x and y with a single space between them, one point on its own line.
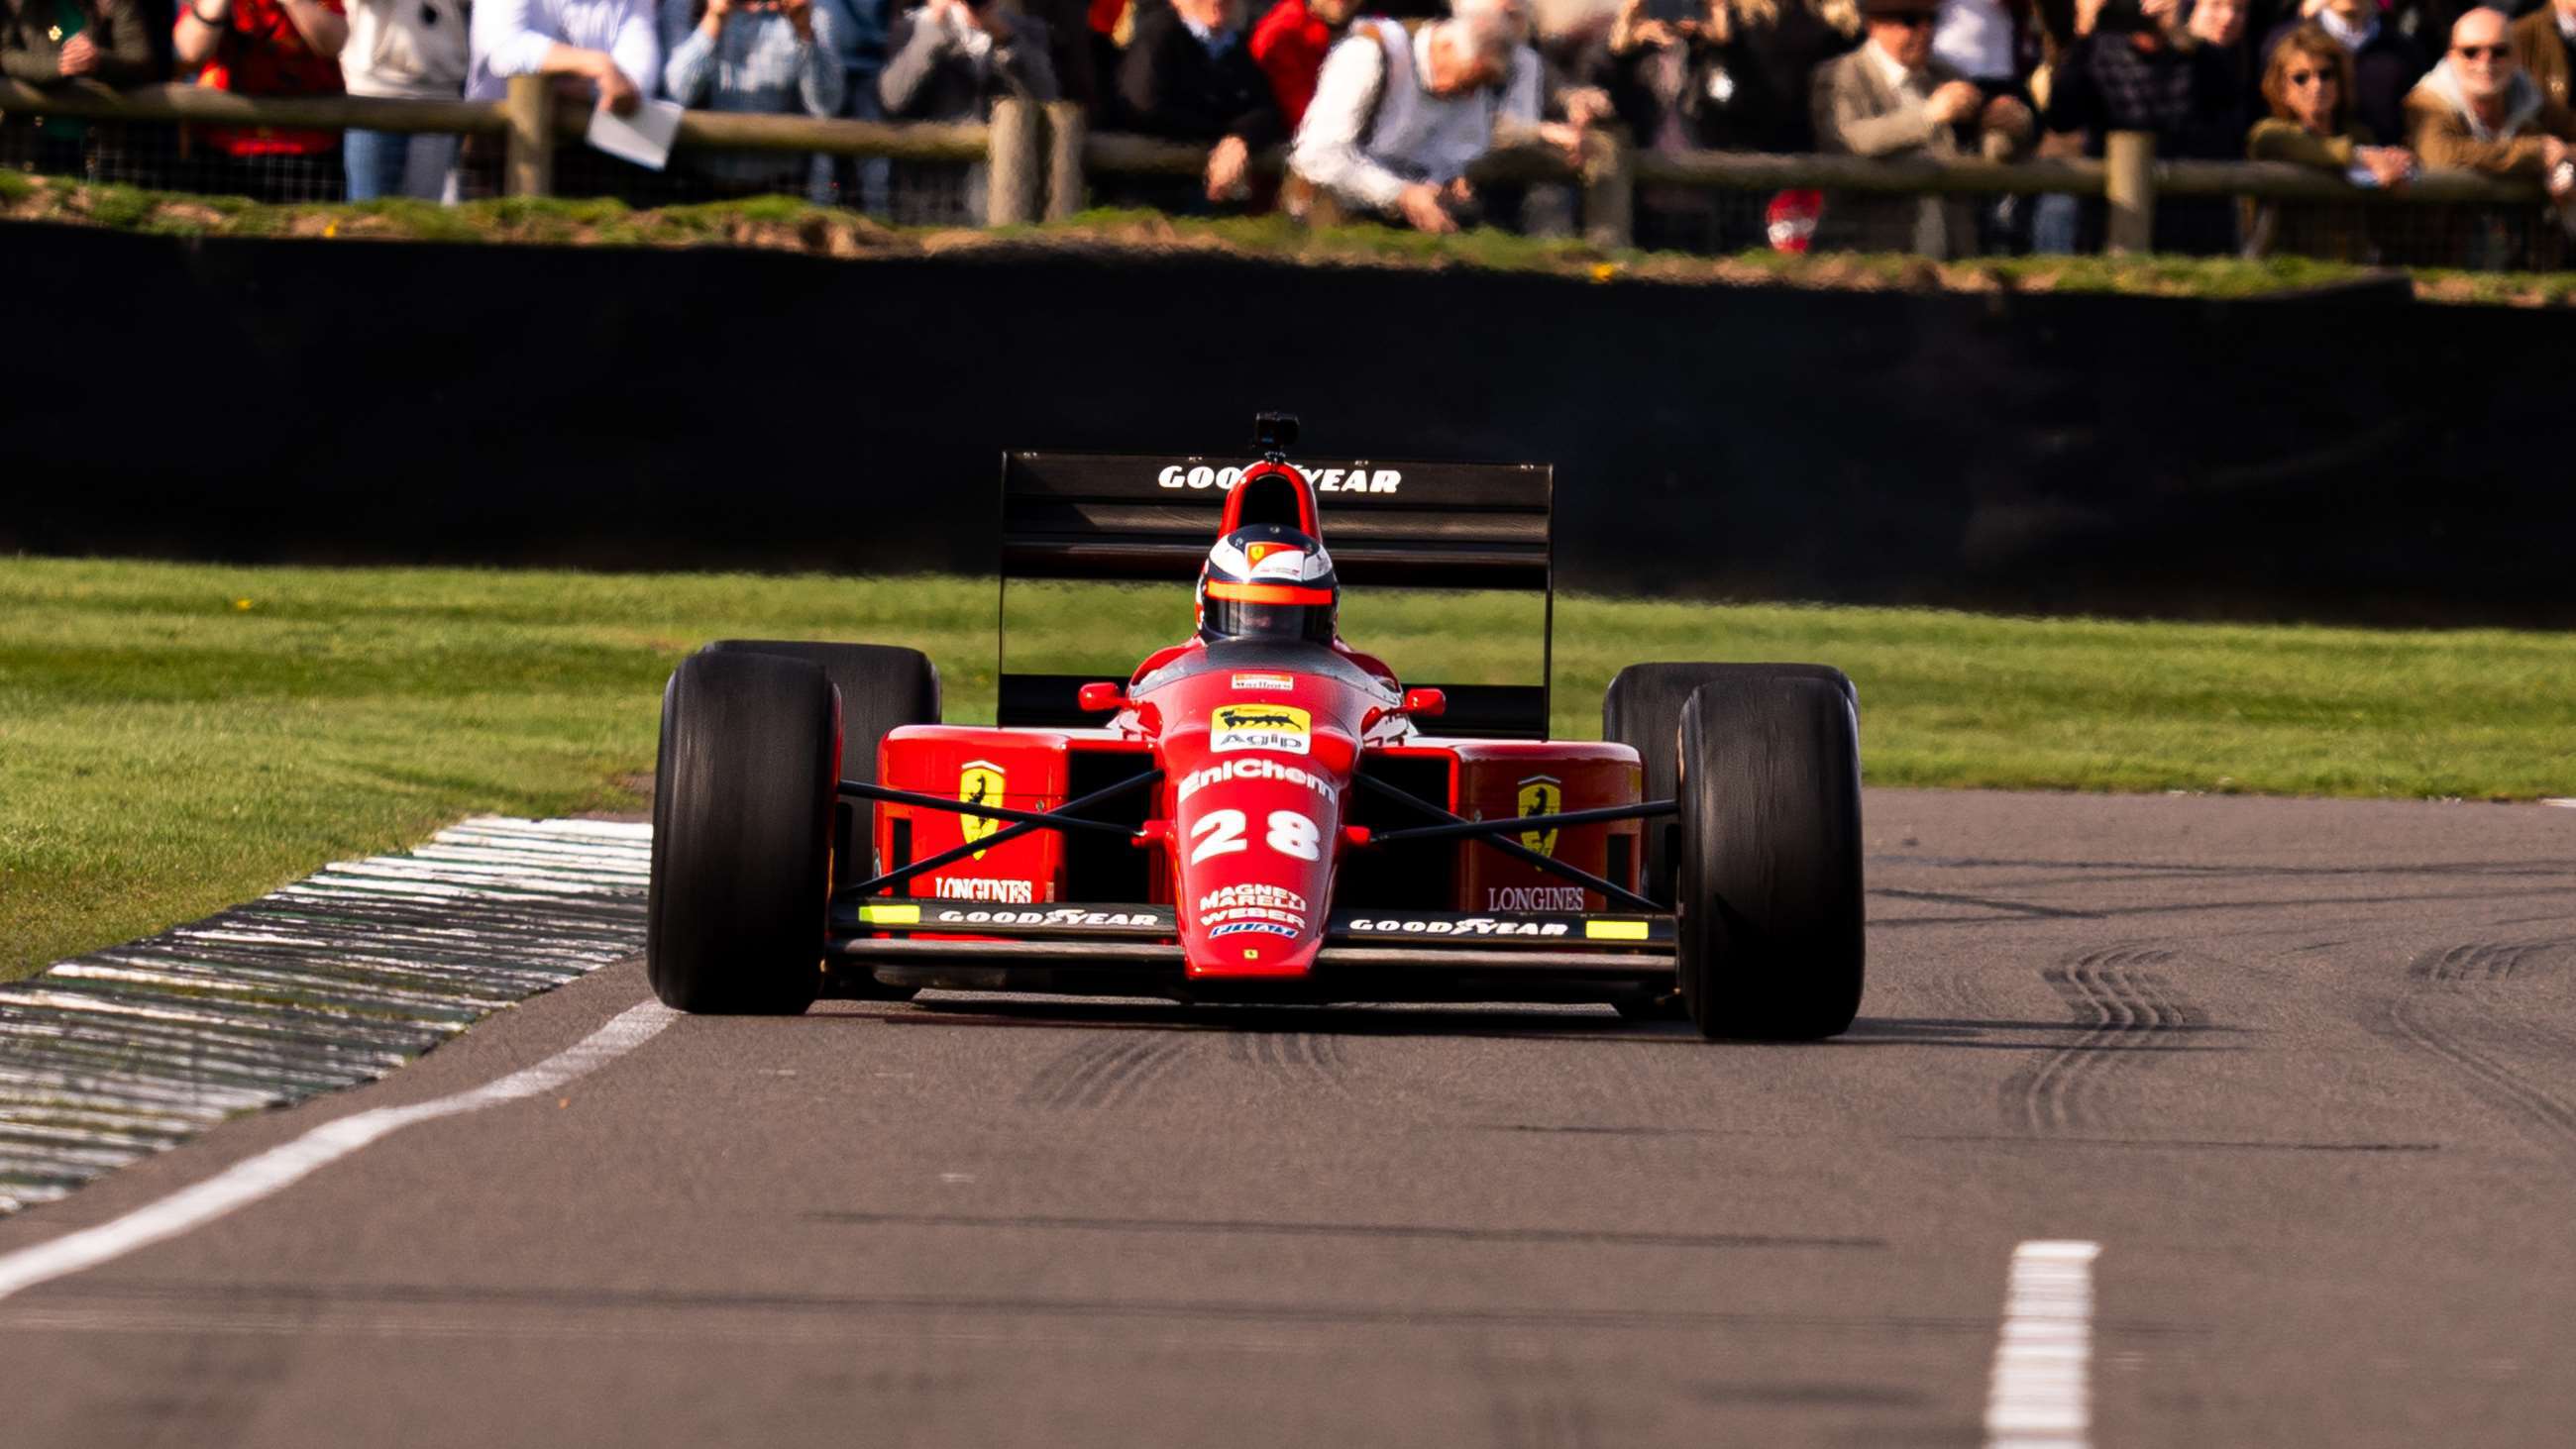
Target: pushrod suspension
1515 823
1046 818
1509 847
888 881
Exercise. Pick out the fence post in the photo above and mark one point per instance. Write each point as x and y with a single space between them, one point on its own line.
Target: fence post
1609 191
1067 127
2129 183
1015 165
531 164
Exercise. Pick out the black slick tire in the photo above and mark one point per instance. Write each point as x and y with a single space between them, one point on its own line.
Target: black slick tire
742 816
882 686
1642 709
1768 871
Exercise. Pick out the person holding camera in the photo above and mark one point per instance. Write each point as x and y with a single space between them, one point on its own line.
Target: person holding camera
950 60
266 48
1894 98
758 57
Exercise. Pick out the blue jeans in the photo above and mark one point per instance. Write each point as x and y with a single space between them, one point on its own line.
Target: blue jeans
392 163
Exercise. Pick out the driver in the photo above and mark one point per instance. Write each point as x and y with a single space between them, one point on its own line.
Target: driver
1269 581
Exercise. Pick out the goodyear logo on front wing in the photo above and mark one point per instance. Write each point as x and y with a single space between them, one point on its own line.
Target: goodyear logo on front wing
1259 727
979 782
1541 795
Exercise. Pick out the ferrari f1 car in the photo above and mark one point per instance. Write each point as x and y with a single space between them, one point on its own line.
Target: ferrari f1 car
1261 813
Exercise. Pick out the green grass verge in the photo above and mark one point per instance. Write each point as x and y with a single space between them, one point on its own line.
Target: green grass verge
174 738
790 224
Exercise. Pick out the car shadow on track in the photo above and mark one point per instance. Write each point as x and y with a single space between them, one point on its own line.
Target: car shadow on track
1509 1022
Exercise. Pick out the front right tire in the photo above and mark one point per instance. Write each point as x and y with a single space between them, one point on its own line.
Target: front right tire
742 819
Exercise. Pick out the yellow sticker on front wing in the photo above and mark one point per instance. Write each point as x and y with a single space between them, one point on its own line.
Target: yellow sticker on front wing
1615 930
890 915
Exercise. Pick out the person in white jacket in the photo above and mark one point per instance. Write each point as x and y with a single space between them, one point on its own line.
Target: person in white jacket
413 50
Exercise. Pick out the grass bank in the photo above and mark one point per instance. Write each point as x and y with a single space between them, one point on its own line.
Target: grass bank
785 224
174 738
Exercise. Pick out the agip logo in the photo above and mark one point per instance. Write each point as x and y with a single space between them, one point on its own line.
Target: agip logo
1259 727
1541 795
979 782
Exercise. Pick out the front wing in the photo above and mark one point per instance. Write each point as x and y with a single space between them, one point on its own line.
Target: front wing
1132 950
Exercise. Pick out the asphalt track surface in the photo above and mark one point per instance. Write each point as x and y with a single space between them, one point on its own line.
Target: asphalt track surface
2306 1071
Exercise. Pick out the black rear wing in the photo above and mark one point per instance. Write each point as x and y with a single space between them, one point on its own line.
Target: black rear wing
1136 517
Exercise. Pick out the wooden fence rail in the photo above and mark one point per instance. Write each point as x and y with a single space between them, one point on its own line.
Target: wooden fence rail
1041 160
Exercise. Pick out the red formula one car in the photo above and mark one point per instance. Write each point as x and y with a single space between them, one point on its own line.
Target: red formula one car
1261 813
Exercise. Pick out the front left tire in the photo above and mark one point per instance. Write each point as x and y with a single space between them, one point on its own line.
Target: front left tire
1771 925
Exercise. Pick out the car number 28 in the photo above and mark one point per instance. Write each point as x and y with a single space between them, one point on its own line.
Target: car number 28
1220 832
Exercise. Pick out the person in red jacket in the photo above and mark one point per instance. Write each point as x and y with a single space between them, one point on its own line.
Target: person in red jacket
266 48
1289 46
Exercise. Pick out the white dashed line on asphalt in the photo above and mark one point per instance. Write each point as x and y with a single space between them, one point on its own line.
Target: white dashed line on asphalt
248 1181
2041 1395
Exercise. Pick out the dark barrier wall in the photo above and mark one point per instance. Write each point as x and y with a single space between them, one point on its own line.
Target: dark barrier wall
247 400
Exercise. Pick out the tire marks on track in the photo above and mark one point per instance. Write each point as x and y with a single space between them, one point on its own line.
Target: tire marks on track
2128 1005
2469 1007
1107 1071
1307 1056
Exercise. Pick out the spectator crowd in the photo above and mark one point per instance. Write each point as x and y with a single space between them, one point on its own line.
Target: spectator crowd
1385 114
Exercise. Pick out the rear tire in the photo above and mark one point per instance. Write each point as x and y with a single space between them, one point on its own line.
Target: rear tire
1642 709
1771 923
882 686
742 816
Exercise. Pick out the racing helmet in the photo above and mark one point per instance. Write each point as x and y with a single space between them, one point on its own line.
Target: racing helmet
1268 581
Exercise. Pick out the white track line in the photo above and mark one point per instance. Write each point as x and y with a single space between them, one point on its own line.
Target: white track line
248 1181
2041 1396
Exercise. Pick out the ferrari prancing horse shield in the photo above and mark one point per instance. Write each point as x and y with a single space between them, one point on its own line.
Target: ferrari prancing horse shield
979 782
1540 795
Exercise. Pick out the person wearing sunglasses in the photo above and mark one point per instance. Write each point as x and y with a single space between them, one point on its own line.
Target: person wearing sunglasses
2478 111
1894 98
2386 61
2308 85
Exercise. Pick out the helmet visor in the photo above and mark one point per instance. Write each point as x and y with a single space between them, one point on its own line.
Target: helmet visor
1269 611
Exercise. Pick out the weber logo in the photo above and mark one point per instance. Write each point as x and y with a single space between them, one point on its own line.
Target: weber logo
1326 480
1253 913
